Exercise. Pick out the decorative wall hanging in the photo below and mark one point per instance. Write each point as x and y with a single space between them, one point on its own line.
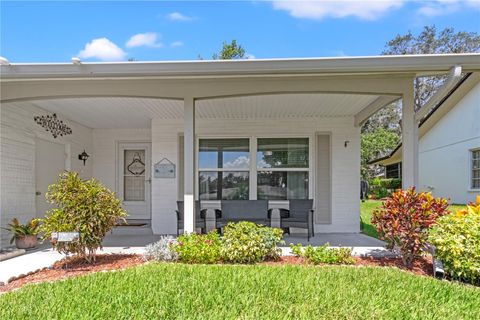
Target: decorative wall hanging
53 124
137 166
164 169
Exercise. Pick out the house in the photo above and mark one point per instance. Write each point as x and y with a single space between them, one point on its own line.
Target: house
158 132
449 145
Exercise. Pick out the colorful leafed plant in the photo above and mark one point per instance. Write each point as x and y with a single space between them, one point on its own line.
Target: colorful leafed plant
404 219
456 238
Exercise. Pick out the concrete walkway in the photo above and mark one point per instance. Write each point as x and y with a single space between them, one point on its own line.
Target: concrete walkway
135 244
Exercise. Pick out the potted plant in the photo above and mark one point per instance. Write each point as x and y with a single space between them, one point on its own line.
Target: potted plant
24 235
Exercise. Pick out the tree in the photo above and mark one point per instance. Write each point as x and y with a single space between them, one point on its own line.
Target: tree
375 144
428 41
230 51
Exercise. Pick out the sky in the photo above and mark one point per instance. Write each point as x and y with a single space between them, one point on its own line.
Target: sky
56 31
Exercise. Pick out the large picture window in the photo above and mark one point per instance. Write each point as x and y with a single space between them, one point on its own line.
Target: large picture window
282 168
475 169
224 168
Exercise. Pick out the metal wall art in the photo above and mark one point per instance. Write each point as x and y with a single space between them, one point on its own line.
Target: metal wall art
164 169
53 124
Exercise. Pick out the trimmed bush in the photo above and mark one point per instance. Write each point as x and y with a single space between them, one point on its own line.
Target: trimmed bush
84 206
161 250
404 219
323 254
456 238
247 242
198 248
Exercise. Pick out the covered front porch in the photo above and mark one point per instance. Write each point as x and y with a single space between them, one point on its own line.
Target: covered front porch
158 133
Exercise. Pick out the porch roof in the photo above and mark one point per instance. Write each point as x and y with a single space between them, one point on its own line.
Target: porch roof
417 65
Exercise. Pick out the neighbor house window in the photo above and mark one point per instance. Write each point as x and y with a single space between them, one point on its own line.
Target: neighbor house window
393 171
282 168
475 169
224 166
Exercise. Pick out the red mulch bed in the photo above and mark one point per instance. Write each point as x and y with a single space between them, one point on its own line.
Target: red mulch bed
71 267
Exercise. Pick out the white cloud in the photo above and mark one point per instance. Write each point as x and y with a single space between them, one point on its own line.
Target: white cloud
147 39
176 44
444 7
177 16
317 10
238 163
249 56
102 49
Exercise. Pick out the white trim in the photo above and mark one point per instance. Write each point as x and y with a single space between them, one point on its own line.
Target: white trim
418 64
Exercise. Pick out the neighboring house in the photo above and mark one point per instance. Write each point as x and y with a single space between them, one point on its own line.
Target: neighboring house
158 132
449 145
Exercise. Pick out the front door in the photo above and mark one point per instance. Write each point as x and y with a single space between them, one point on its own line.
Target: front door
134 179
49 163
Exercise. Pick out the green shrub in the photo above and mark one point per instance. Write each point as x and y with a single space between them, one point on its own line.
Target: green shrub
456 238
381 188
84 206
247 242
198 248
323 254
404 219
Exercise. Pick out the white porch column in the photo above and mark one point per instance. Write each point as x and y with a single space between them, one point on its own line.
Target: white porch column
409 141
189 164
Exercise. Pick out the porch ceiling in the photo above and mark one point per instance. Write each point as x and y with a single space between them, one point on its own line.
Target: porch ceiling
130 112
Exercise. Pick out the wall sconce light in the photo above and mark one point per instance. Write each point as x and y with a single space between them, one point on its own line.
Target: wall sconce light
83 156
346 143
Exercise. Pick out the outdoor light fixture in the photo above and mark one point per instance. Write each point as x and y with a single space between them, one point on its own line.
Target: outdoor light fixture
83 156
76 61
4 61
346 143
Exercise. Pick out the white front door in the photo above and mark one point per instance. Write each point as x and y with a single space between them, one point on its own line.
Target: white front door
134 178
49 163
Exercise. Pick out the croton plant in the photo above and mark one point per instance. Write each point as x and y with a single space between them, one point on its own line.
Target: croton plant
404 219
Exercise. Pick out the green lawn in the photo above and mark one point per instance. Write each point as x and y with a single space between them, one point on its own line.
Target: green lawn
177 291
367 208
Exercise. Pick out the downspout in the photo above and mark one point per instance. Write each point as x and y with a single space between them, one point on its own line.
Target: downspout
454 76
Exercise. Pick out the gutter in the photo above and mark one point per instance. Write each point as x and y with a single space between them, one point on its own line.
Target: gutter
403 64
454 77
425 118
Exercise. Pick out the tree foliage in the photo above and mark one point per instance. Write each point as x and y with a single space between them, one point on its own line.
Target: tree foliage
230 51
428 41
432 41
375 144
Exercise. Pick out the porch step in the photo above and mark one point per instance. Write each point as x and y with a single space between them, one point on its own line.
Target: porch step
132 230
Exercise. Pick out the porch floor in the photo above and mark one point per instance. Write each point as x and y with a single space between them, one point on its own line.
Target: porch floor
334 239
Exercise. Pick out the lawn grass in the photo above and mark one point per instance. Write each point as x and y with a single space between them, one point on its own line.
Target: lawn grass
367 208
177 291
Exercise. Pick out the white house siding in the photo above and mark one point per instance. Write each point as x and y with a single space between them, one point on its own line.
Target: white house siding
444 157
345 162
105 151
17 159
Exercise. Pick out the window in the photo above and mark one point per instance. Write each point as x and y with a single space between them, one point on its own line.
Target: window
224 168
475 169
393 171
282 168
134 175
